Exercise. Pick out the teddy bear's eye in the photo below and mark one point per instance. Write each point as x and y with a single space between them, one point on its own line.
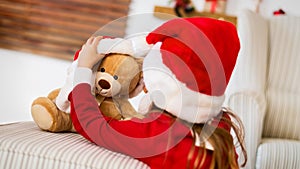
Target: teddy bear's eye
116 77
102 69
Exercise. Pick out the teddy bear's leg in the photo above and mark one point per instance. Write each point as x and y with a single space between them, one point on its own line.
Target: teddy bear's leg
64 122
48 117
41 110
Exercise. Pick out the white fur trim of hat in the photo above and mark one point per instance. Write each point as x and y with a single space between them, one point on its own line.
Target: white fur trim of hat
168 93
135 46
115 45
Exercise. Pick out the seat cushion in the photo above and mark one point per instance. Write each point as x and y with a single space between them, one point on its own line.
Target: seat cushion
279 154
24 145
282 119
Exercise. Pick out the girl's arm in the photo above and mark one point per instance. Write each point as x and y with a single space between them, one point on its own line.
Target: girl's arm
136 137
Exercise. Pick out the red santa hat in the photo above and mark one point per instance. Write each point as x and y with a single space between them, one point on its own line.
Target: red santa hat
187 70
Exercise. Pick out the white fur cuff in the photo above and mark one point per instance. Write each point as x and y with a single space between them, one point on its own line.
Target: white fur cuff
82 75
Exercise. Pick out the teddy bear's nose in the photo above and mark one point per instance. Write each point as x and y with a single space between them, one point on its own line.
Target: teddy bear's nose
104 84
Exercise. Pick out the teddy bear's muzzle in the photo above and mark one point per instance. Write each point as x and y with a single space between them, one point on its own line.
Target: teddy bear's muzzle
104 84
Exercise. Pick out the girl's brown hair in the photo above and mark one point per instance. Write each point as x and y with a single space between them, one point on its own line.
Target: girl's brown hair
224 154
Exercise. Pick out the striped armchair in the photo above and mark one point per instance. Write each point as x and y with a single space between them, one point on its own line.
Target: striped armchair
264 90
24 146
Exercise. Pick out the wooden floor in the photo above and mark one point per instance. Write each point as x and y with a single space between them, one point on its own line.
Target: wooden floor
58 28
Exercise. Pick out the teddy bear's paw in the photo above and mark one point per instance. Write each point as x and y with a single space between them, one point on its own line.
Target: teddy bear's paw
42 111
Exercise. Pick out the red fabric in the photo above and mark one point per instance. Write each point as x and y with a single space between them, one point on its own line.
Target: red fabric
76 55
207 47
214 0
213 6
182 3
158 140
279 12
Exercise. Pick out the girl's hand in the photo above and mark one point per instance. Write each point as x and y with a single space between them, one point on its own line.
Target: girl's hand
88 55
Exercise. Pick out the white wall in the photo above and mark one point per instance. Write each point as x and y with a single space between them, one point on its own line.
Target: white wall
25 77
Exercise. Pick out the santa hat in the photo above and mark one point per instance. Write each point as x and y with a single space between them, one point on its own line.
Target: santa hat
187 70
135 46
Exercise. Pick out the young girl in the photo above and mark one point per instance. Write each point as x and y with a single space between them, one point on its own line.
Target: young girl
185 73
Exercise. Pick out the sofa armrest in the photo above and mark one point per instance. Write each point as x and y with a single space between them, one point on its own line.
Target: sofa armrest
250 70
250 107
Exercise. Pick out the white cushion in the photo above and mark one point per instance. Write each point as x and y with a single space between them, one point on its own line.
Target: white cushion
279 154
283 91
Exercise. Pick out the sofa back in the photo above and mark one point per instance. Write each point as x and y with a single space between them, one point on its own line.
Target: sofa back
282 118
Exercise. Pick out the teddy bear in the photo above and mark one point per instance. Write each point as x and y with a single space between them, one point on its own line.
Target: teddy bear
116 77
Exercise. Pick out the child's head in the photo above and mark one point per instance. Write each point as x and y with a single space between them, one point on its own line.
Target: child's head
189 66
186 74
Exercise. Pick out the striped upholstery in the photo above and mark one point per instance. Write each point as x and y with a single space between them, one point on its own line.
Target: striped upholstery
251 77
248 107
251 114
283 91
23 145
278 154
264 89
246 87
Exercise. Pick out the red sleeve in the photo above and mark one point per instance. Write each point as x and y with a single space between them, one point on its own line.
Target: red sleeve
76 54
133 137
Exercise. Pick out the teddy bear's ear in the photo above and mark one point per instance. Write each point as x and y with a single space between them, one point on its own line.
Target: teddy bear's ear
139 87
139 61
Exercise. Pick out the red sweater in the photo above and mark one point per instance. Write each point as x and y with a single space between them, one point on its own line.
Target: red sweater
157 140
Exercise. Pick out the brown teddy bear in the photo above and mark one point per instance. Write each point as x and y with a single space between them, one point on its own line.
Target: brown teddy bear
118 75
